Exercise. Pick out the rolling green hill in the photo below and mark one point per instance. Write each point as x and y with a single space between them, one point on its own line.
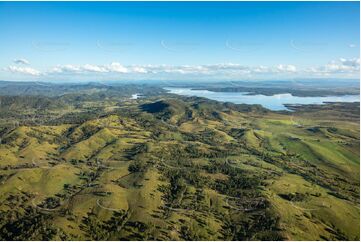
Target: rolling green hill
172 168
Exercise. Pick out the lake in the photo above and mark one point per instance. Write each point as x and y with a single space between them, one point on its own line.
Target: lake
276 102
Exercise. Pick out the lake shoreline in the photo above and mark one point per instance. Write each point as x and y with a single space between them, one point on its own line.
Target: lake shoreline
276 102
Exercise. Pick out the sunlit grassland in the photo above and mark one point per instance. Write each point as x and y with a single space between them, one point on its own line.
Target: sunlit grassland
185 169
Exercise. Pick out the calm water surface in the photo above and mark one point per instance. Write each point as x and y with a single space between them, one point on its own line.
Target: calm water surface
275 102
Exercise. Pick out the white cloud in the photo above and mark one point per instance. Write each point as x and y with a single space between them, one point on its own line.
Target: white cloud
338 67
223 68
21 61
183 69
89 68
139 69
345 67
207 70
117 67
94 68
286 68
65 69
23 70
262 69
352 45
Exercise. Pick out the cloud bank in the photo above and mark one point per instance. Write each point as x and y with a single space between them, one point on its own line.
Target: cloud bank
342 66
23 70
223 70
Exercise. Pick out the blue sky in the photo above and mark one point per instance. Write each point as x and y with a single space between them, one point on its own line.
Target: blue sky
178 40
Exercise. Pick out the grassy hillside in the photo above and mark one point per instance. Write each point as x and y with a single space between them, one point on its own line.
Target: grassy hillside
171 168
